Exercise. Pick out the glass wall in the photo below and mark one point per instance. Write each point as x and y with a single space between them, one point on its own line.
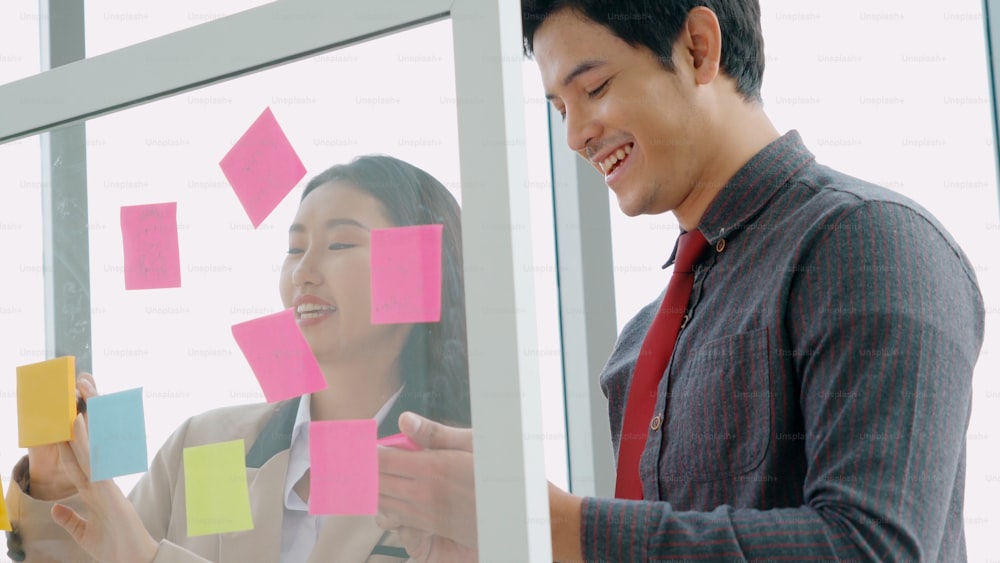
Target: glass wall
22 322
113 24
19 44
393 96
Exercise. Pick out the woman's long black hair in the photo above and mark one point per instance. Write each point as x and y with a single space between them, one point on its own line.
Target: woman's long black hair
434 362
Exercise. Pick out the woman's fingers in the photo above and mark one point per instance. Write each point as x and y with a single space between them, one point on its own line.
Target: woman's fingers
81 445
70 521
74 456
87 385
70 466
85 389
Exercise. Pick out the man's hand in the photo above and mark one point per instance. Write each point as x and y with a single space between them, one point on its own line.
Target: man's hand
429 496
565 513
427 548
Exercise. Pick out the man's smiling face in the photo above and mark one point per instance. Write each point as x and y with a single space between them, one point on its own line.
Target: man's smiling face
634 121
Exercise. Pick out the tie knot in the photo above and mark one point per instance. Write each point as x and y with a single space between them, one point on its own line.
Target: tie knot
690 246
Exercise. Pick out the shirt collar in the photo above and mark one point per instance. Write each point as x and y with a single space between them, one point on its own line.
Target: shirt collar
753 185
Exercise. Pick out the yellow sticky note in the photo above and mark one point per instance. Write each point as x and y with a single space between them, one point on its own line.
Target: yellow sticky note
46 402
215 489
4 517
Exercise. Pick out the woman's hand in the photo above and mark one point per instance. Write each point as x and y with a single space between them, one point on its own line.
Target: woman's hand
46 478
429 496
112 531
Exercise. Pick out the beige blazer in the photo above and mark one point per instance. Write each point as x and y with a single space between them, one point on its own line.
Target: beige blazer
159 499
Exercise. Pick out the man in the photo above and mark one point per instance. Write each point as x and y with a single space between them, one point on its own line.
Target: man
814 401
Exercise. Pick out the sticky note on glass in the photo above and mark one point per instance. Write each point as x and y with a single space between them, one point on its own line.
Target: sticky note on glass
215 489
117 427
46 402
262 167
406 274
343 467
279 356
152 254
400 441
4 515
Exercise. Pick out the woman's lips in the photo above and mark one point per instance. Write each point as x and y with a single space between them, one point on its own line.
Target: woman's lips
311 310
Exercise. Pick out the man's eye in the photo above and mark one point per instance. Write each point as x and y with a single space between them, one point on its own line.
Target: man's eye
341 246
597 91
295 251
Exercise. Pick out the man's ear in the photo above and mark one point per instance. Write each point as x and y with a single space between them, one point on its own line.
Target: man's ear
701 40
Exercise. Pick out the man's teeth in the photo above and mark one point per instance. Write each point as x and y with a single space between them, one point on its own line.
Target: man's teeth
615 157
310 310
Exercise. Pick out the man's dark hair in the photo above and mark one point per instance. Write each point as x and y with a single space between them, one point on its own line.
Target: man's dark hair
655 24
434 361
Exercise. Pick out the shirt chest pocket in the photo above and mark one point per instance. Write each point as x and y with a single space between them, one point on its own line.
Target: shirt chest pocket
719 410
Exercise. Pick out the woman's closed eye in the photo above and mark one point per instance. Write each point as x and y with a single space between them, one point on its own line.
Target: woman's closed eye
333 246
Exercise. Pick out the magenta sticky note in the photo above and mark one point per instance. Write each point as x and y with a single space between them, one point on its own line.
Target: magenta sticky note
279 356
401 441
149 239
343 465
406 274
262 167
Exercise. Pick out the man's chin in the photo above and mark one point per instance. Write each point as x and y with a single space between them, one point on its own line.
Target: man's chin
630 208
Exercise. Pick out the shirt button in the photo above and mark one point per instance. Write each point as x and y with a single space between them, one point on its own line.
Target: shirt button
655 425
721 245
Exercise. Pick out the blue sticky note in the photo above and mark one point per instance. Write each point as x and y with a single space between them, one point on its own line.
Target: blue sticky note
117 427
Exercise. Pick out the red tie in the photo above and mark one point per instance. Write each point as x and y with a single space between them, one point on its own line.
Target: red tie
653 359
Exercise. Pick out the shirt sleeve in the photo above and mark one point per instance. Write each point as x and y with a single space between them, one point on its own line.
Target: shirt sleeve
886 320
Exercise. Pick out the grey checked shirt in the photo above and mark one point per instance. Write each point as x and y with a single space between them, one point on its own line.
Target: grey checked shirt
816 404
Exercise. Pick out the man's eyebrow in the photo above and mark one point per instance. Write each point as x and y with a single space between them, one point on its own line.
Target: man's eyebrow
329 224
582 67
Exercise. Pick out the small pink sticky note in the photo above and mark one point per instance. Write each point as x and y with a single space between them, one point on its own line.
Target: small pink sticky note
149 239
406 274
343 463
401 441
279 356
262 167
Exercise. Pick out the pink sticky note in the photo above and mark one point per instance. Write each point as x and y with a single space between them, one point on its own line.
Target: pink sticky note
406 274
262 167
149 239
401 441
343 463
279 356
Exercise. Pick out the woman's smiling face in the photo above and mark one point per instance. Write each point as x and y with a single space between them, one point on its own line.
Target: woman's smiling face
326 275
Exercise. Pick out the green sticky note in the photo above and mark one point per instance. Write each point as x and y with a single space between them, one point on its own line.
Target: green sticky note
46 402
215 489
4 517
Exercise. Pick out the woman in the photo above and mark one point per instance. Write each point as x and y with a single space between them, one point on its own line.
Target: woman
373 371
